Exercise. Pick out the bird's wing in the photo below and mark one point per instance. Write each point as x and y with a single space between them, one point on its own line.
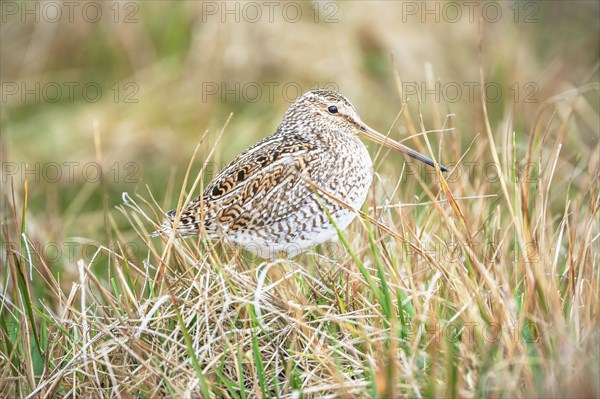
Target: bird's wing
260 187
262 157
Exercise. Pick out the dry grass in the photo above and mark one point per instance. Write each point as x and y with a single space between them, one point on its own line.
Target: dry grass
482 282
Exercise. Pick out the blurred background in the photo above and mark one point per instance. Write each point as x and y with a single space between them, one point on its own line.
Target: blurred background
129 88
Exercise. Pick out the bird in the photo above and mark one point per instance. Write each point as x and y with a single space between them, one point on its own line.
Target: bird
279 197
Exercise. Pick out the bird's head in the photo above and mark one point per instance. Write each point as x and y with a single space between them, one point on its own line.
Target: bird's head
325 110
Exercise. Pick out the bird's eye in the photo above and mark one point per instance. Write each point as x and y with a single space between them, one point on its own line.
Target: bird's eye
332 109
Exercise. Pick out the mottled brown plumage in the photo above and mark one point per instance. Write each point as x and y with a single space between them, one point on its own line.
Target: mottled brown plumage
271 198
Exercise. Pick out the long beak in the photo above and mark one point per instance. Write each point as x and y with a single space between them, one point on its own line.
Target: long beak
377 137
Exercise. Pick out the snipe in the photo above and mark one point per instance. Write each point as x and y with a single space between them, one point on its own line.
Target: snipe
271 198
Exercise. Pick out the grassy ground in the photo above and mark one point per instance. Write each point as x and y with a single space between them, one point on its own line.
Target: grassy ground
482 282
